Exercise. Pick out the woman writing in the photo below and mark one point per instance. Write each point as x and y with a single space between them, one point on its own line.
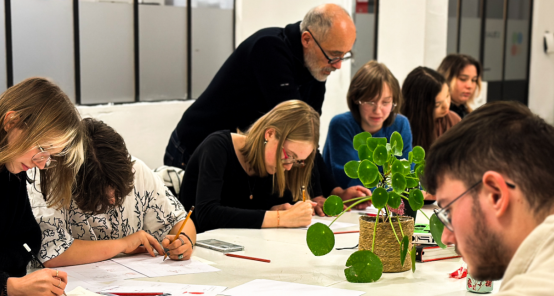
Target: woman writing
254 179
40 128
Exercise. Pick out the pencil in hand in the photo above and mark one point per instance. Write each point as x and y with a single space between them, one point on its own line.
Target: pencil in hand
34 257
303 193
180 229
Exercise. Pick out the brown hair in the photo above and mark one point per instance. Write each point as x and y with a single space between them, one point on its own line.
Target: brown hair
505 137
107 165
43 112
452 66
420 89
367 85
292 120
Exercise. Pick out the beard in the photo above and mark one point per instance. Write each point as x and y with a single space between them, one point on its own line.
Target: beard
488 251
311 62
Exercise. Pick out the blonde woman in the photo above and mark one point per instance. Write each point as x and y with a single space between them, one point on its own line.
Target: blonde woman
40 128
254 179
463 74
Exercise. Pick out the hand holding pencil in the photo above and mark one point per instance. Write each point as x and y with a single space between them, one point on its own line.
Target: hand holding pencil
179 247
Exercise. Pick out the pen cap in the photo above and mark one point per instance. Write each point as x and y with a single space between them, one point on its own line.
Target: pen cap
27 248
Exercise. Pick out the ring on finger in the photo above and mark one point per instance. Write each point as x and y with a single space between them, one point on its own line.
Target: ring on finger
57 271
182 241
60 284
180 257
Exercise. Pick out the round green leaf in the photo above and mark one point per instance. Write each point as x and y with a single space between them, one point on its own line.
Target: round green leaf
379 197
372 143
394 200
365 153
320 239
351 169
367 172
420 169
361 139
436 230
416 199
372 184
397 144
398 167
333 205
404 244
413 255
380 155
398 183
363 267
410 157
419 154
411 182
407 166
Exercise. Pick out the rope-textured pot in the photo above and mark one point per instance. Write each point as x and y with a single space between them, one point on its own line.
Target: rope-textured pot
387 247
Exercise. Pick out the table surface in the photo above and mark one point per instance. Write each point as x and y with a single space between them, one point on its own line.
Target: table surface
292 261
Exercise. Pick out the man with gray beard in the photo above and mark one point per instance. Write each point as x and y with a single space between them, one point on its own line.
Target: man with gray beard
271 66
492 176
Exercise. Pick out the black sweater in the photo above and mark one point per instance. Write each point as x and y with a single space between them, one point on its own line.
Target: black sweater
266 69
219 188
17 226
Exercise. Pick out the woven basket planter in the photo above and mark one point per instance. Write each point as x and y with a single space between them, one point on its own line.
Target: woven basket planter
387 247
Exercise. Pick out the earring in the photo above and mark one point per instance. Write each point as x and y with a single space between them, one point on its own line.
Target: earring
265 142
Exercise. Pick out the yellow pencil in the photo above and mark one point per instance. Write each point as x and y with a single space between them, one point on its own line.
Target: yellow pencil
303 193
180 229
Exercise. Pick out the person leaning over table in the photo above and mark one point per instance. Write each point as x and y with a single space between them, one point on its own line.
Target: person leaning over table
374 99
254 179
271 66
463 74
40 128
494 188
119 206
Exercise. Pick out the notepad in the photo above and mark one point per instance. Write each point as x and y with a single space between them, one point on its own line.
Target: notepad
173 289
154 266
277 288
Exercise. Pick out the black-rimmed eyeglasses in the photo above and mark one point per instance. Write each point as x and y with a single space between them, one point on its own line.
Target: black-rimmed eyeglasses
346 56
444 214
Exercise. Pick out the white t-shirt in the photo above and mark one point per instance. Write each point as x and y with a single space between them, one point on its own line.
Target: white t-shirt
150 207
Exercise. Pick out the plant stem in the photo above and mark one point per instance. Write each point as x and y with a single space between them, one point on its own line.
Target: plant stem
355 199
366 198
374 231
395 235
401 231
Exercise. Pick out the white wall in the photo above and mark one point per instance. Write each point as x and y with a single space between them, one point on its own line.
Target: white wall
411 34
146 127
541 77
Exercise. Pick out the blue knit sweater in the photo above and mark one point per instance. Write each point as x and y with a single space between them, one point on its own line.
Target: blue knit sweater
339 150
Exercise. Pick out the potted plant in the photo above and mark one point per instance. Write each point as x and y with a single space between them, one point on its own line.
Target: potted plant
396 181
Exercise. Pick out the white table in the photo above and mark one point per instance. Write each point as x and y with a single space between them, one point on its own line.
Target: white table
292 261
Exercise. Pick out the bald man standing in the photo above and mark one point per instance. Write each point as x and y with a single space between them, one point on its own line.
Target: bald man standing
271 66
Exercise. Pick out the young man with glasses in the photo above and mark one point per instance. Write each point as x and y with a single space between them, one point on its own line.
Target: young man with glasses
271 66
491 174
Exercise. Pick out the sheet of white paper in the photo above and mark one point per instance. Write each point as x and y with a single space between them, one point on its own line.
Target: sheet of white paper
369 210
155 266
73 283
276 288
80 291
173 289
335 225
104 271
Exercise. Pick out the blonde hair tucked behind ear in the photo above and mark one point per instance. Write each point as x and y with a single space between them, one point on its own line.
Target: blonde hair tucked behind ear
294 121
43 113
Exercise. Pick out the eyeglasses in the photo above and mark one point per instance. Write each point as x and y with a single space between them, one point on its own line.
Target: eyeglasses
43 158
373 104
290 160
346 56
444 214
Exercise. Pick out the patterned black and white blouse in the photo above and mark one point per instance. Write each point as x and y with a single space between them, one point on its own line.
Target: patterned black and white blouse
150 207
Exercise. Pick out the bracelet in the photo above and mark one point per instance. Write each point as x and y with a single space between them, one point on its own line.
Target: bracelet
188 238
278 219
